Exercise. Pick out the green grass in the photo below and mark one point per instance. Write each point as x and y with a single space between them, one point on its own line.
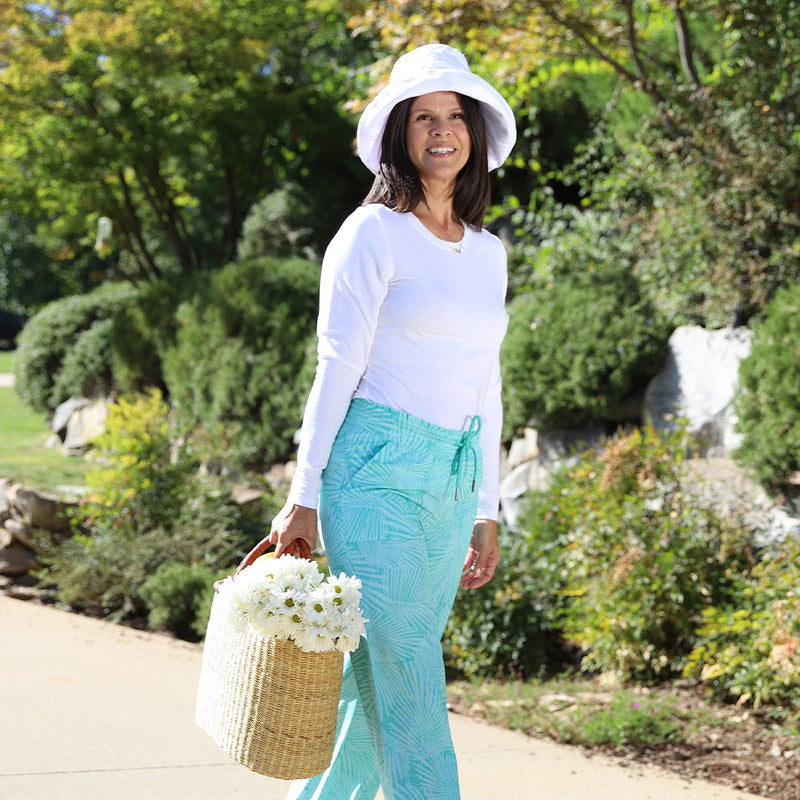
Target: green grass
23 455
6 360
574 711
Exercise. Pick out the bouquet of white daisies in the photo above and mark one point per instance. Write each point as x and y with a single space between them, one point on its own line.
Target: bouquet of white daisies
290 598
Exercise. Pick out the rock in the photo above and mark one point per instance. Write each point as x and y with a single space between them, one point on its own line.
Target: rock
85 425
279 476
53 442
537 455
246 495
62 414
20 592
524 449
722 483
5 509
15 559
6 537
42 510
19 531
698 382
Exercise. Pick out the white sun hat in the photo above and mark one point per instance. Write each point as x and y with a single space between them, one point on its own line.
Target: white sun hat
436 68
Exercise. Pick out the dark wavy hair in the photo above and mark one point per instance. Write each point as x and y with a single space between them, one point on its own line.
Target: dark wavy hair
397 184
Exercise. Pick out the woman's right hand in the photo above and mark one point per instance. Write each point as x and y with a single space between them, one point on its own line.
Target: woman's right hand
292 522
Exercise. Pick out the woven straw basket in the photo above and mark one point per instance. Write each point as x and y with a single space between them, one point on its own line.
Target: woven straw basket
266 703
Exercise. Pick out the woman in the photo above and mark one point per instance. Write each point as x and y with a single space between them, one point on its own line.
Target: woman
400 440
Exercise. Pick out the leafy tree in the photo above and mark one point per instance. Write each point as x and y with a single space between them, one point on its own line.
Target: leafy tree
649 46
30 277
169 118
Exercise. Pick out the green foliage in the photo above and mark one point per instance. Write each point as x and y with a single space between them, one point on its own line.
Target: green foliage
617 557
242 362
176 595
30 276
749 650
582 342
632 721
278 225
143 330
46 370
704 253
510 626
148 504
571 710
87 370
768 403
644 557
229 101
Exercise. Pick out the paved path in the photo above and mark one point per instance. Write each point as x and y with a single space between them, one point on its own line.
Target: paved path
6 380
94 711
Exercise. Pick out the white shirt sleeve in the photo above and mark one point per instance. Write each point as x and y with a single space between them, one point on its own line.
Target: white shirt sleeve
353 284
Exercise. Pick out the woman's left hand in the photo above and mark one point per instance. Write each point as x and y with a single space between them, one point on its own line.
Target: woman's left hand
483 555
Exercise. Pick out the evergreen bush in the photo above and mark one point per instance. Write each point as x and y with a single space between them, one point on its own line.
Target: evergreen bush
175 595
144 329
580 349
510 627
278 225
243 358
768 400
50 335
87 368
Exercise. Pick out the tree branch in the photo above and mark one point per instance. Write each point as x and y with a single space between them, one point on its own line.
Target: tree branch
685 44
135 228
640 80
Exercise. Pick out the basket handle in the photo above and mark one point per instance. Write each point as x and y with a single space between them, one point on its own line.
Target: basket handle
299 548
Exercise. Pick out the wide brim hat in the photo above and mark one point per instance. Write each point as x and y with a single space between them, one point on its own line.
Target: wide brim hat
436 68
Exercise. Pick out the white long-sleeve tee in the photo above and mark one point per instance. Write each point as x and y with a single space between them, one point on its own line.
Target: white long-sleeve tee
406 322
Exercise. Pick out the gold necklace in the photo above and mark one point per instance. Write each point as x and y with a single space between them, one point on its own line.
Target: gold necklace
434 228
454 246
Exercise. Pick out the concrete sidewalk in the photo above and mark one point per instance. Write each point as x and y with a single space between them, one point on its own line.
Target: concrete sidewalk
96 711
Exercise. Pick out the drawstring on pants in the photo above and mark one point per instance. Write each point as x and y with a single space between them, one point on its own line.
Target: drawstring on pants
468 443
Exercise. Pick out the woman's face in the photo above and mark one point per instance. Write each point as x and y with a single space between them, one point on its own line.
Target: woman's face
437 136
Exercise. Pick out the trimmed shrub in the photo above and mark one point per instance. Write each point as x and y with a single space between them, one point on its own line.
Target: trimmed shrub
87 368
277 225
50 335
243 358
144 329
768 401
175 595
580 350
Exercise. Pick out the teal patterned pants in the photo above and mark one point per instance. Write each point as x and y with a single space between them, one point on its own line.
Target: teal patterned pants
397 509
